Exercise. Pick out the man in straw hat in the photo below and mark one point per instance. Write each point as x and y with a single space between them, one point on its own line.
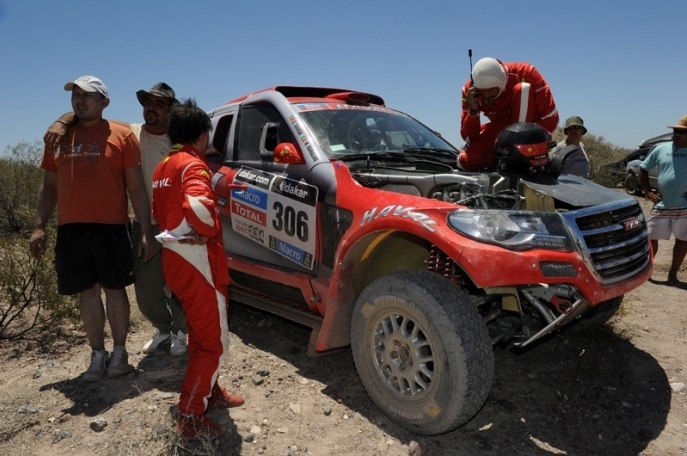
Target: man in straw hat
576 163
669 214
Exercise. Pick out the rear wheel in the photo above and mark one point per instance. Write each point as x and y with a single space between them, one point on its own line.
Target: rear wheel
422 351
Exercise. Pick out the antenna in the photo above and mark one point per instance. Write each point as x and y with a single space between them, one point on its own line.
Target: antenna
470 57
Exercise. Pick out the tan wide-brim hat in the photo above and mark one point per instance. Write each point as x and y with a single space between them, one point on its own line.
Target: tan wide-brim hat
681 124
574 121
161 90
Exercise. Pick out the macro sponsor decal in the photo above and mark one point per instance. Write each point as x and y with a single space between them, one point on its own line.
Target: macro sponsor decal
277 213
395 210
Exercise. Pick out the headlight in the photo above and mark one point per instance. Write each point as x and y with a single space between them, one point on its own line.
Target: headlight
512 230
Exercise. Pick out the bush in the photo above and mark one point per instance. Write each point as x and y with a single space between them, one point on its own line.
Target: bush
29 302
20 180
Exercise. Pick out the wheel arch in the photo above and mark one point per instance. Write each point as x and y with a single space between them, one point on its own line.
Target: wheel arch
375 255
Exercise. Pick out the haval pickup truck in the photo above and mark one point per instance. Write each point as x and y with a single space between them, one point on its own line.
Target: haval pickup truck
354 219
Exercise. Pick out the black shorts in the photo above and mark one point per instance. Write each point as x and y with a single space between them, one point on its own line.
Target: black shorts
90 253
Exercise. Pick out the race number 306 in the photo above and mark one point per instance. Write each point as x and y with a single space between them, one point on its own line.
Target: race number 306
290 221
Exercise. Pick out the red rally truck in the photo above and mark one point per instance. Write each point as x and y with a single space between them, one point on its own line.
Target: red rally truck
354 219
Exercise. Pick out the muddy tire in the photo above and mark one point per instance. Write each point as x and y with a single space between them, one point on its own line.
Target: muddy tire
422 351
632 186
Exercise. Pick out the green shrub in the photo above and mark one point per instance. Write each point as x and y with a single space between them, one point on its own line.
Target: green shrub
20 180
29 302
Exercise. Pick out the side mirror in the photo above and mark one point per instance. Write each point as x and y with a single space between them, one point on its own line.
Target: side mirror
288 153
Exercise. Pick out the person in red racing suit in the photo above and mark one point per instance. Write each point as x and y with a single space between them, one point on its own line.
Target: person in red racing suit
505 93
195 266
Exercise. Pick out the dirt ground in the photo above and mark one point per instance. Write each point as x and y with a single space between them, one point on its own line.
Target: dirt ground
619 391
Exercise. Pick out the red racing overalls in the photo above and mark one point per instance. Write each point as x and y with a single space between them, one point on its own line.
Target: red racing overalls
526 98
183 200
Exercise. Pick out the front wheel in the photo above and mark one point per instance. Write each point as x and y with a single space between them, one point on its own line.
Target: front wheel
632 186
422 351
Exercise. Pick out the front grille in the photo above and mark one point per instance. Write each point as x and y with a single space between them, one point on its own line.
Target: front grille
613 238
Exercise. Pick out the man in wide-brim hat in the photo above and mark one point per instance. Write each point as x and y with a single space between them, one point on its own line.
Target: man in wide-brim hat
669 214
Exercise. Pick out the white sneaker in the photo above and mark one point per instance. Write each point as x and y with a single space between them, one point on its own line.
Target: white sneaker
96 370
119 362
153 344
178 344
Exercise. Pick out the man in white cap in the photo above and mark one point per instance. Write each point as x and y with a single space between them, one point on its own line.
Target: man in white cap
669 214
505 93
161 308
87 178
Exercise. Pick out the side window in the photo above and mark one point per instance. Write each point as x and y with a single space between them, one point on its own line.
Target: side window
218 150
260 129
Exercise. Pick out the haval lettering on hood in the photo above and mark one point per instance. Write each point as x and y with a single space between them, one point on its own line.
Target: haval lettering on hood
353 219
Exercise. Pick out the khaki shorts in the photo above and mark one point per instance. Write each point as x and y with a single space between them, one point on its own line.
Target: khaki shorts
662 227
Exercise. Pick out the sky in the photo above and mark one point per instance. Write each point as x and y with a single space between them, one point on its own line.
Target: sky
619 65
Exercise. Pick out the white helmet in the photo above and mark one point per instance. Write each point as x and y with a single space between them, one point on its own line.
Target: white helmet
489 72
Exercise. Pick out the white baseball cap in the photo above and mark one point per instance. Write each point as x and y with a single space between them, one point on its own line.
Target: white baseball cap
88 84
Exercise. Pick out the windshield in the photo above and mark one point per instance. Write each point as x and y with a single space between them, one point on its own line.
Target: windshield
344 129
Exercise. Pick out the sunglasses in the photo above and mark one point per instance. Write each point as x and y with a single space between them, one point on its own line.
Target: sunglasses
574 127
679 132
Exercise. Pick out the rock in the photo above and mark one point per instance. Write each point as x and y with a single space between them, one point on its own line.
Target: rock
159 430
295 408
327 410
258 380
249 438
414 449
98 424
677 387
64 434
38 373
28 409
282 430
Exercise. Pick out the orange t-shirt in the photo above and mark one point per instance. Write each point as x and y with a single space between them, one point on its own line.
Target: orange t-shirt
90 164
